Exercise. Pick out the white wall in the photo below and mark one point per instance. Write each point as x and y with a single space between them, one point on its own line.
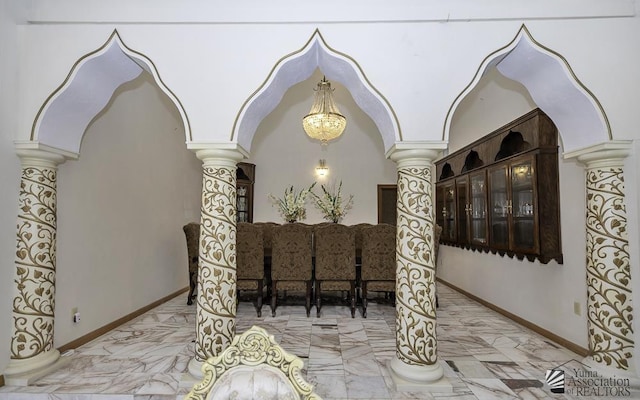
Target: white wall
420 62
541 294
121 208
9 170
284 155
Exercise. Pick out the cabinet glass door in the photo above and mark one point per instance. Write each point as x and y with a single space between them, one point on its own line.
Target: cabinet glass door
449 212
242 203
478 209
463 210
499 207
441 210
523 204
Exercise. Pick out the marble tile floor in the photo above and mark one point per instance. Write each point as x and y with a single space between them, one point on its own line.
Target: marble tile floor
484 355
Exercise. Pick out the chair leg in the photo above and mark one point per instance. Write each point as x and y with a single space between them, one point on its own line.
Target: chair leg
260 294
318 301
364 299
308 302
274 295
353 299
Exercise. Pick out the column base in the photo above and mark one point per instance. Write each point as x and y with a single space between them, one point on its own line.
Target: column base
195 368
25 372
418 378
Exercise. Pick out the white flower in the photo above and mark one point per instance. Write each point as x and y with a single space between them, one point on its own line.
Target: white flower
292 206
331 204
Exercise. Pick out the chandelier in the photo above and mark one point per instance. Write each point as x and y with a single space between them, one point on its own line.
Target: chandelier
324 122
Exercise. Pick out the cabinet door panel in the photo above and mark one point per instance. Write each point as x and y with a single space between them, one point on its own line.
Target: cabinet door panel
499 202
524 209
463 210
478 209
449 228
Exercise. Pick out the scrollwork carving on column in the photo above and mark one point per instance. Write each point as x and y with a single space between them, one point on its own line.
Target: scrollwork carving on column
216 298
35 260
415 282
610 310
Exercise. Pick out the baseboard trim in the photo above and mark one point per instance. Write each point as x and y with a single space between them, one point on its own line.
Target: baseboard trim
539 330
106 328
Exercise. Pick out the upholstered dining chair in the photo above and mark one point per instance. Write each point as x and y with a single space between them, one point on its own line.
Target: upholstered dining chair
358 231
250 261
267 240
335 250
291 262
192 234
378 261
253 367
357 228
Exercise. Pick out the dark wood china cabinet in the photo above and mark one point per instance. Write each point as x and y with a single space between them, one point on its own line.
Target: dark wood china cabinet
245 177
500 194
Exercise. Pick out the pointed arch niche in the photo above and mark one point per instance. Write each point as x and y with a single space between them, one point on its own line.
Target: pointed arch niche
553 86
299 66
586 136
63 118
56 135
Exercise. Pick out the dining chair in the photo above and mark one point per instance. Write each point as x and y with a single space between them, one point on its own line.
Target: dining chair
335 266
291 262
378 261
267 240
250 261
192 235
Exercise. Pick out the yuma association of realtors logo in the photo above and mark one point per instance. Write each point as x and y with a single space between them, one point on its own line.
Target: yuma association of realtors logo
583 381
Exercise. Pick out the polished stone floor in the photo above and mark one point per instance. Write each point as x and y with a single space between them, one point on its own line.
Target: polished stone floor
484 355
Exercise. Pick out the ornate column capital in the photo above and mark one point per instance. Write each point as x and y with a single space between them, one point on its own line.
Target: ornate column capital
602 155
219 154
34 154
415 153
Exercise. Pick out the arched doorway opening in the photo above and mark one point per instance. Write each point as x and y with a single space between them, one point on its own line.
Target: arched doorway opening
111 202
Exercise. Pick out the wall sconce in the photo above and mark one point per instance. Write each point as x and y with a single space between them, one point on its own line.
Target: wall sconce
322 169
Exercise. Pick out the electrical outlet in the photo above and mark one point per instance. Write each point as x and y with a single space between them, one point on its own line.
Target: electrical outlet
577 309
75 315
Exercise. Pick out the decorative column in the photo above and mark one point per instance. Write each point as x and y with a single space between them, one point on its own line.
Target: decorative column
35 267
216 290
609 289
416 364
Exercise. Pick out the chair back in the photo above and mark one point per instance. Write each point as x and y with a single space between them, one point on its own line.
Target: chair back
253 366
267 235
335 253
379 253
357 228
291 253
249 251
192 235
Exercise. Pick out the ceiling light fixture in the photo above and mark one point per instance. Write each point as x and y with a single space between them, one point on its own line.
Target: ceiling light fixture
324 122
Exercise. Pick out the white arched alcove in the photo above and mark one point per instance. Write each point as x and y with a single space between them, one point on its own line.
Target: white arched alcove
553 86
63 118
298 67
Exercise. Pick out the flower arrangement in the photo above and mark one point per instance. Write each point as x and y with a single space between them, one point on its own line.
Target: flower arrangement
292 206
331 203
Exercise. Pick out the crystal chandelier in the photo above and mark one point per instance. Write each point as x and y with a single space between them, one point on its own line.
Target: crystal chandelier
324 122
